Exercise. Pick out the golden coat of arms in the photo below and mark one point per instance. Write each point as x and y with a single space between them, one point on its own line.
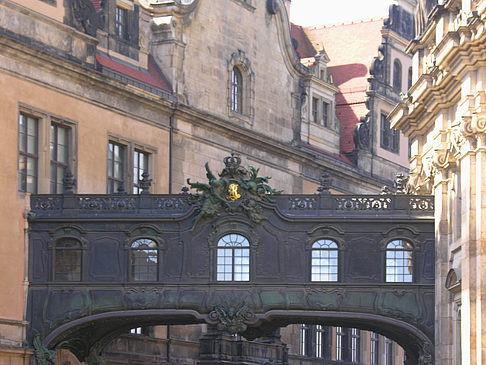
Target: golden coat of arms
233 192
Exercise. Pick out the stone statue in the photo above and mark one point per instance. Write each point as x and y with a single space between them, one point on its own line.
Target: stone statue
421 14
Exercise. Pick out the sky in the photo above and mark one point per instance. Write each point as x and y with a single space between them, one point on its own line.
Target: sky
320 12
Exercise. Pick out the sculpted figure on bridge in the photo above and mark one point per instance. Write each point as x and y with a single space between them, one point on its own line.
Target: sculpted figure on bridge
237 190
42 355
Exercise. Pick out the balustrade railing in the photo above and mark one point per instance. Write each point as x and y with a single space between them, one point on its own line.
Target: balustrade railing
178 205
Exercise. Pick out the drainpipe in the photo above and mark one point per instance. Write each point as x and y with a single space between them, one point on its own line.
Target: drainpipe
168 344
171 145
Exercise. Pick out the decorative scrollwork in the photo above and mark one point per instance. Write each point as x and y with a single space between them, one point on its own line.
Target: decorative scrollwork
169 204
233 318
425 357
45 203
298 203
422 203
107 203
363 203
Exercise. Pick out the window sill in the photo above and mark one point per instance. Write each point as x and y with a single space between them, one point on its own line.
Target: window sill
248 120
246 4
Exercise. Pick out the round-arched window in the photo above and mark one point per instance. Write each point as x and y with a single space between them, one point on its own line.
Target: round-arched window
397 75
144 258
399 262
233 258
236 90
324 266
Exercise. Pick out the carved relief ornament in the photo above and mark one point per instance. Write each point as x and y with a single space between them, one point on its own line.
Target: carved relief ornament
443 158
421 179
232 315
473 126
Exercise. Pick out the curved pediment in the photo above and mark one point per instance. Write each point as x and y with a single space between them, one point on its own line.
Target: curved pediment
453 280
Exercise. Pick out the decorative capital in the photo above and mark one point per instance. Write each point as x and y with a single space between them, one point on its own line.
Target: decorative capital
473 126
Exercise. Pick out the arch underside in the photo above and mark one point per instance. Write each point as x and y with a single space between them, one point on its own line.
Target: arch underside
86 337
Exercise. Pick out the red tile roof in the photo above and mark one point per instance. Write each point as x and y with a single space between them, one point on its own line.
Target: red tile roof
351 48
305 49
339 157
152 76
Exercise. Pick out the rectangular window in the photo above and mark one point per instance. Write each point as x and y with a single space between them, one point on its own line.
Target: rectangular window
305 340
116 167
121 27
325 114
388 351
127 161
339 343
59 151
140 165
374 348
389 137
28 153
40 131
315 106
355 345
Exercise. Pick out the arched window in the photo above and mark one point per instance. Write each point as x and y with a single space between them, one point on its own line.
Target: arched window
324 261
236 90
399 262
67 260
144 258
397 75
233 261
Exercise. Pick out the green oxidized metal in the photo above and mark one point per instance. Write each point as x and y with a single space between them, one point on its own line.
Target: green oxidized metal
236 190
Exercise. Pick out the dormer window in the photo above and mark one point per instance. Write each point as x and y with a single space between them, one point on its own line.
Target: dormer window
121 23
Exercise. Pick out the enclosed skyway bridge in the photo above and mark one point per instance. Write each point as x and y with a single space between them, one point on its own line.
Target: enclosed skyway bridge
234 254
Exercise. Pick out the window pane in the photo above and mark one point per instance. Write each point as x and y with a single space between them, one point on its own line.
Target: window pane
233 261
144 260
398 261
236 90
324 263
67 260
116 166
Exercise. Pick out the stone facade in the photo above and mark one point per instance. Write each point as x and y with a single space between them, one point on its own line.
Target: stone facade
370 73
444 118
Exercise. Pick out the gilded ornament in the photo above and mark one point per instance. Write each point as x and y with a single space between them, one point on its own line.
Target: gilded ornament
233 192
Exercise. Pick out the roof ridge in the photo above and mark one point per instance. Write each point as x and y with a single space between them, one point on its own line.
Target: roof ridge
352 22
